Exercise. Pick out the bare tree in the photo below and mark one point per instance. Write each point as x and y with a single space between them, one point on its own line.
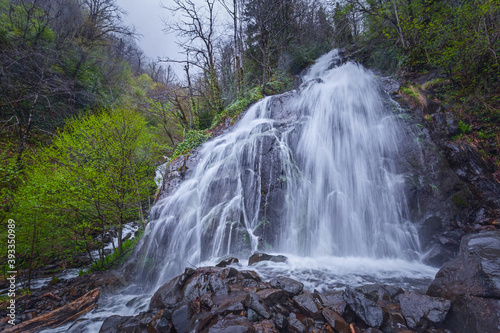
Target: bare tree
196 25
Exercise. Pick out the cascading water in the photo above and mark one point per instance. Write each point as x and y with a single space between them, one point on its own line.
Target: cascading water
321 157
309 174
347 199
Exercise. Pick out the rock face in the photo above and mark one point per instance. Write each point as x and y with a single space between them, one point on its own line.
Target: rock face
419 310
472 283
215 299
258 257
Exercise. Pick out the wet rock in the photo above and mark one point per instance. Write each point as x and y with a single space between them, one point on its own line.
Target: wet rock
472 283
227 262
258 257
295 326
254 302
280 322
181 318
286 284
252 316
474 314
265 326
116 324
307 305
170 293
272 296
374 330
367 310
419 309
377 292
446 123
334 301
231 324
159 324
251 275
475 272
336 321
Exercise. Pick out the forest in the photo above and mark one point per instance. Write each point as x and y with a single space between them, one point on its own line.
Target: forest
86 118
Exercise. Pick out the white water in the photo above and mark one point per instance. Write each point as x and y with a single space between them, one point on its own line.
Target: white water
343 217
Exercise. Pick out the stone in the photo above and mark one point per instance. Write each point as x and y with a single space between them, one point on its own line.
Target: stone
474 314
334 300
419 309
259 257
170 294
295 326
472 283
252 316
475 272
336 321
265 326
305 302
231 324
227 262
251 275
254 302
181 318
280 322
377 292
272 296
367 310
116 324
286 284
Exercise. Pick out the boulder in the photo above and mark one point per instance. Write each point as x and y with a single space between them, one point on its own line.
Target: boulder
305 302
231 324
419 310
475 272
367 310
472 283
258 257
256 303
336 321
227 262
286 284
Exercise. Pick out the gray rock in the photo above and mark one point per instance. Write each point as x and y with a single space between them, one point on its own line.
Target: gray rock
231 324
115 324
307 305
336 321
419 309
258 257
367 310
295 326
289 285
227 262
475 272
181 318
472 283
256 303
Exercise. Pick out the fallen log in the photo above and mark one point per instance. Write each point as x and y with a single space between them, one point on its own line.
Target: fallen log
59 316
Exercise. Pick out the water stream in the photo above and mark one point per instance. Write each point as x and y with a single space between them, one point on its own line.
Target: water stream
310 174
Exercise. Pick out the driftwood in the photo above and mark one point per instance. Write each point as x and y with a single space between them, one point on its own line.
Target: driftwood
59 316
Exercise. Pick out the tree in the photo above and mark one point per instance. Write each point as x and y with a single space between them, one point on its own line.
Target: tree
96 176
197 25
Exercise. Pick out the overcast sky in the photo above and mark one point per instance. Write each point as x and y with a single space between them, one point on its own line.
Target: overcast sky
146 16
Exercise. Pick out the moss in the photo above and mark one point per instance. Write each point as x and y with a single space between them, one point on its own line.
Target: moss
459 200
193 139
413 96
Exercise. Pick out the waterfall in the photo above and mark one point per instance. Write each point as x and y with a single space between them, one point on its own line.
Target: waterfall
308 173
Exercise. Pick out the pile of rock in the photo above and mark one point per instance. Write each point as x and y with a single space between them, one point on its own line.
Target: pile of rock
224 299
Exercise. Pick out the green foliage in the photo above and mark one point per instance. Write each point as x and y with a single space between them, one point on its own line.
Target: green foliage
193 139
95 175
464 128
